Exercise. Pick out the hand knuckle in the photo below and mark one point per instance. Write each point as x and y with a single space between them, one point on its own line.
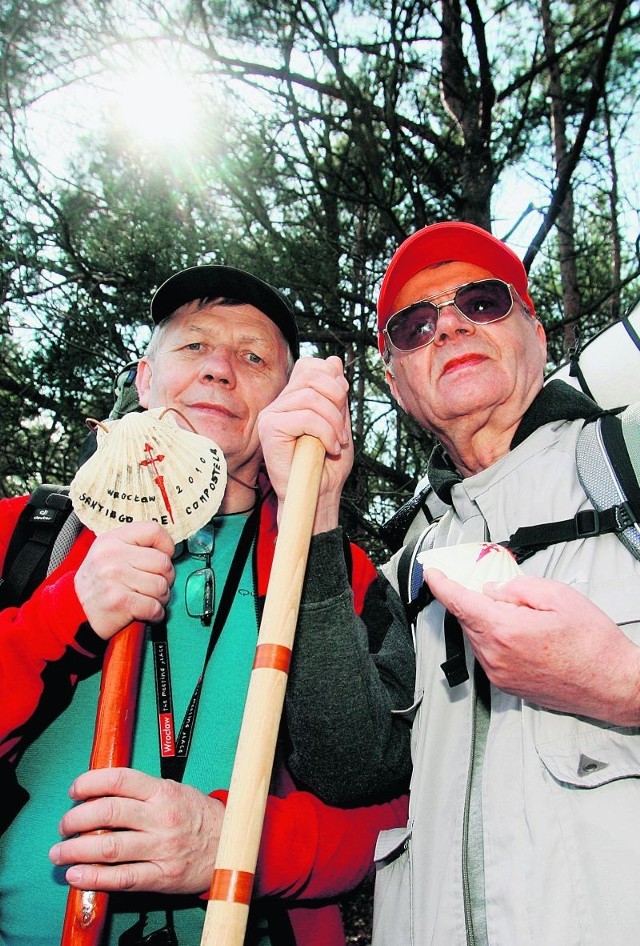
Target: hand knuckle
125 878
110 847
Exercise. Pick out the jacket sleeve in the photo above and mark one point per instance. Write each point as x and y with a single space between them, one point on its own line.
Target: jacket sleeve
312 851
353 669
48 629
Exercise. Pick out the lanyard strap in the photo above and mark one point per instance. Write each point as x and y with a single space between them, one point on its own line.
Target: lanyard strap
174 750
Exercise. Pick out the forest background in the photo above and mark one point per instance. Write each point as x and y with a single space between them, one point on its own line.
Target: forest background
301 140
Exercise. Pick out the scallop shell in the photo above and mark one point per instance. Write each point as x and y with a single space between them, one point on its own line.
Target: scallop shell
472 563
148 469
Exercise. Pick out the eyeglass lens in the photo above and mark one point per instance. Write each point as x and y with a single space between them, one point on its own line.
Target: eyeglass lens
200 587
481 302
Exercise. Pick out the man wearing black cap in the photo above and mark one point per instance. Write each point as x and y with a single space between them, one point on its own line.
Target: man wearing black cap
222 349
523 821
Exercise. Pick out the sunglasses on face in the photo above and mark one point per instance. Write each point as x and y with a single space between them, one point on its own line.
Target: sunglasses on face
480 302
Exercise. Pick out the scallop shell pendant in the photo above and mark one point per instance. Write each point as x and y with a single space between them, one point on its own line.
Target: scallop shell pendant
472 563
148 469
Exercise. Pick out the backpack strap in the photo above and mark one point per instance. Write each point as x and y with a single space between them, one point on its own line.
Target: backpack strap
29 552
631 332
125 402
527 540
394 530
630 420
608 460
455 666
608 477
412 589
416 595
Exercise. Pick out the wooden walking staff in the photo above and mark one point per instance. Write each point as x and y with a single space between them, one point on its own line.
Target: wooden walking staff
145 467
230 893
87 909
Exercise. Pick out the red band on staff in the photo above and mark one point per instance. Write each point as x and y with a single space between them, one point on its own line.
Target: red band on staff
273 657
234 886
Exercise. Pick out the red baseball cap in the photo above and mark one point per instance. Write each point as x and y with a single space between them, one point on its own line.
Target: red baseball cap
453 241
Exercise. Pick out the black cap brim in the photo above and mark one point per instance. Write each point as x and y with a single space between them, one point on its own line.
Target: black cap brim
212 281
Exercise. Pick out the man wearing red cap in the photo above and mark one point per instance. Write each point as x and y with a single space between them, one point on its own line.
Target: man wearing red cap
525 793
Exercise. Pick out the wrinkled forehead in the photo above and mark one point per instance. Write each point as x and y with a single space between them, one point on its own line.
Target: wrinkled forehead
226 316
438 279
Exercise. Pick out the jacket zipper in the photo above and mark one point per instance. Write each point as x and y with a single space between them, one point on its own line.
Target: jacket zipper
466 896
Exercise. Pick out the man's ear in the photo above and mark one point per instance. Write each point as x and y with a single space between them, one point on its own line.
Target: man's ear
542 337
393 387
143 381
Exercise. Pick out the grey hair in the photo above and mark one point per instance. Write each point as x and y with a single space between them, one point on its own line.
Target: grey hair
159 330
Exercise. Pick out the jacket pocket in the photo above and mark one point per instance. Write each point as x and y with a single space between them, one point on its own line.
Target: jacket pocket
392 898
588 758
588 831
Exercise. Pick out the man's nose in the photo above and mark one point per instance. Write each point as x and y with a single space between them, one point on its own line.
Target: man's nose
217 366
451 322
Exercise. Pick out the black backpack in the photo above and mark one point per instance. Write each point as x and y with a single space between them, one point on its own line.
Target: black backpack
30 555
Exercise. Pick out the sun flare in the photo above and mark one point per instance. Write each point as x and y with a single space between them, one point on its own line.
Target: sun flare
158 105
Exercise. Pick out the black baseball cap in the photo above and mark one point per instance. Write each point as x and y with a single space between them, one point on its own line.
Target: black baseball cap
211 281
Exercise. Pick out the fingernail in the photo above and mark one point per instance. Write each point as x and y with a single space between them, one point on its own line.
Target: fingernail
73 875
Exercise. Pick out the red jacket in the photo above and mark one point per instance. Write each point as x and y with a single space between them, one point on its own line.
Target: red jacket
309 851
